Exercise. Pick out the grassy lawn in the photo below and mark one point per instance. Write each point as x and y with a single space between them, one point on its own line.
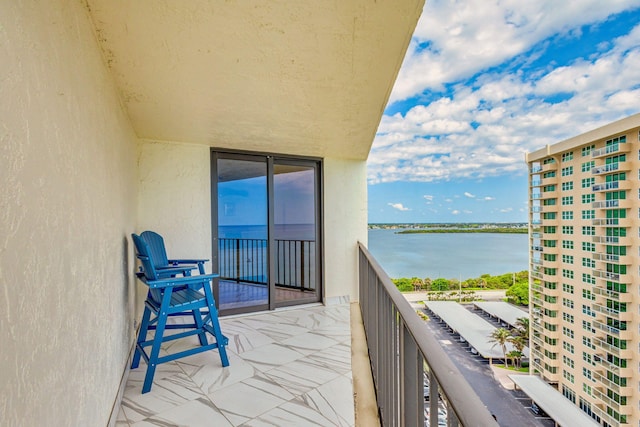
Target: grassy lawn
511 368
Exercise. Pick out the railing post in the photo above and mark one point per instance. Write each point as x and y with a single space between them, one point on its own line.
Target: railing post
302 265
237 260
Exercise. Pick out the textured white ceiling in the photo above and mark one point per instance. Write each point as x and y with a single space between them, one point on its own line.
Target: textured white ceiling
307 77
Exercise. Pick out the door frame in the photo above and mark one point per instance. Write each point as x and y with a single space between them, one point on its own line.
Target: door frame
270 159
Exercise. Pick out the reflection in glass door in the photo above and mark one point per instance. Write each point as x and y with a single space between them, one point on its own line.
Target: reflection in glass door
295 232
265 231
242 233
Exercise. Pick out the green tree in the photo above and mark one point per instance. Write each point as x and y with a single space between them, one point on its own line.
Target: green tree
521 328
518 293
403 284
440 284
519 343
500 337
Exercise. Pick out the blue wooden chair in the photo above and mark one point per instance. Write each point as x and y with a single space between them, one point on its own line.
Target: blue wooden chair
171 295
159 254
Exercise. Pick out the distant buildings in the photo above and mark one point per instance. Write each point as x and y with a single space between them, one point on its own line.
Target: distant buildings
584 212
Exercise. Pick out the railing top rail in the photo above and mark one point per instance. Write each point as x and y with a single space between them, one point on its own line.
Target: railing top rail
464 401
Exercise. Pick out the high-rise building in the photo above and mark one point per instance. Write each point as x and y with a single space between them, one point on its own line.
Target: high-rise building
584 210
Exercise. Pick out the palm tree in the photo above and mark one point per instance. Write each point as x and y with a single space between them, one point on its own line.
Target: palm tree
522 328
519 343
500 337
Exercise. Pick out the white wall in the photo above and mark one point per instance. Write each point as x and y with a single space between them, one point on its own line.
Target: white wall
175 197
345 223
175 201
67 206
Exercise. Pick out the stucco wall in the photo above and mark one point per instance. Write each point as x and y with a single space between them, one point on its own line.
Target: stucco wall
345 223
175 197
175 200
67 205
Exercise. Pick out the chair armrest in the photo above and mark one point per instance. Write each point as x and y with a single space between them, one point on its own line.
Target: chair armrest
171 270
176 281
187 261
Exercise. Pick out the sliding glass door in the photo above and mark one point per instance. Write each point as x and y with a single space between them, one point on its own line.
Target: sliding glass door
266 231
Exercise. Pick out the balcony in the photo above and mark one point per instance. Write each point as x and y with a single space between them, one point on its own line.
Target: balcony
614 185
549 167
614 295
294 366
612 313
605 346
612 258
602 364
611 277
611 330
611 167
611 149
601 394
605 222
610 204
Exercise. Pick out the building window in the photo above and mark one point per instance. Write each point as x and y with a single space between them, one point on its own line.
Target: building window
567 259
588 231
588 295
567 229
587 166
568 361
567 317
588 247
589 214
567 200
568 215
567 303
567 156
588 198
586 151
567 171
588 262
568 376
567 273
588 279
567 244
568 393
568 332
567 288
568 347
567 186
588 182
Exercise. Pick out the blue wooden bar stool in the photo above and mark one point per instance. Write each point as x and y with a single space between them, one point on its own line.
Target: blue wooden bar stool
170 295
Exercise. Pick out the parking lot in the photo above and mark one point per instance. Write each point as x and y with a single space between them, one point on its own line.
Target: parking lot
510 407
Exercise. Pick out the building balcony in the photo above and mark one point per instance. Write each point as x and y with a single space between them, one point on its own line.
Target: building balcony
612 240
602 365
600 410
611 330
295 366
611 277
549 167
612 313
536 209
614 185
601 393
611 204
616 296
605 346
537 248
611 167
611 149
612 258
535 183
549 194
605 222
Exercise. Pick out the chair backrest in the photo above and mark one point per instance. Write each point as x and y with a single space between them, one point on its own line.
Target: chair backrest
145 255
156 247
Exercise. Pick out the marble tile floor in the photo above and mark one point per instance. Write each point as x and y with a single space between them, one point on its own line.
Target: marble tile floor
289 367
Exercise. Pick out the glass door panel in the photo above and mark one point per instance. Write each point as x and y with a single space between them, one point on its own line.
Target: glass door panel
242 233
295 214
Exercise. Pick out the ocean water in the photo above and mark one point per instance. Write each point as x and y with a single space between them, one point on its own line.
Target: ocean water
448 255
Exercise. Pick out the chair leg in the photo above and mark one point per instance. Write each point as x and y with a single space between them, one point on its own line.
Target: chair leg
157 341
215 323
142 337
197 319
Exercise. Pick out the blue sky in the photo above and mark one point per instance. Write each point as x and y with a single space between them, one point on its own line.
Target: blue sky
485 81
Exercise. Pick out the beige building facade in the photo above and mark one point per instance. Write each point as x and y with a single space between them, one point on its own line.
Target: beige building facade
584 214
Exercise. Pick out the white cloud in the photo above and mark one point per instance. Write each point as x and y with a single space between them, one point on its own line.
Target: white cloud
428 198
469 195
507 210
489 198
455 212
485 128
398 206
